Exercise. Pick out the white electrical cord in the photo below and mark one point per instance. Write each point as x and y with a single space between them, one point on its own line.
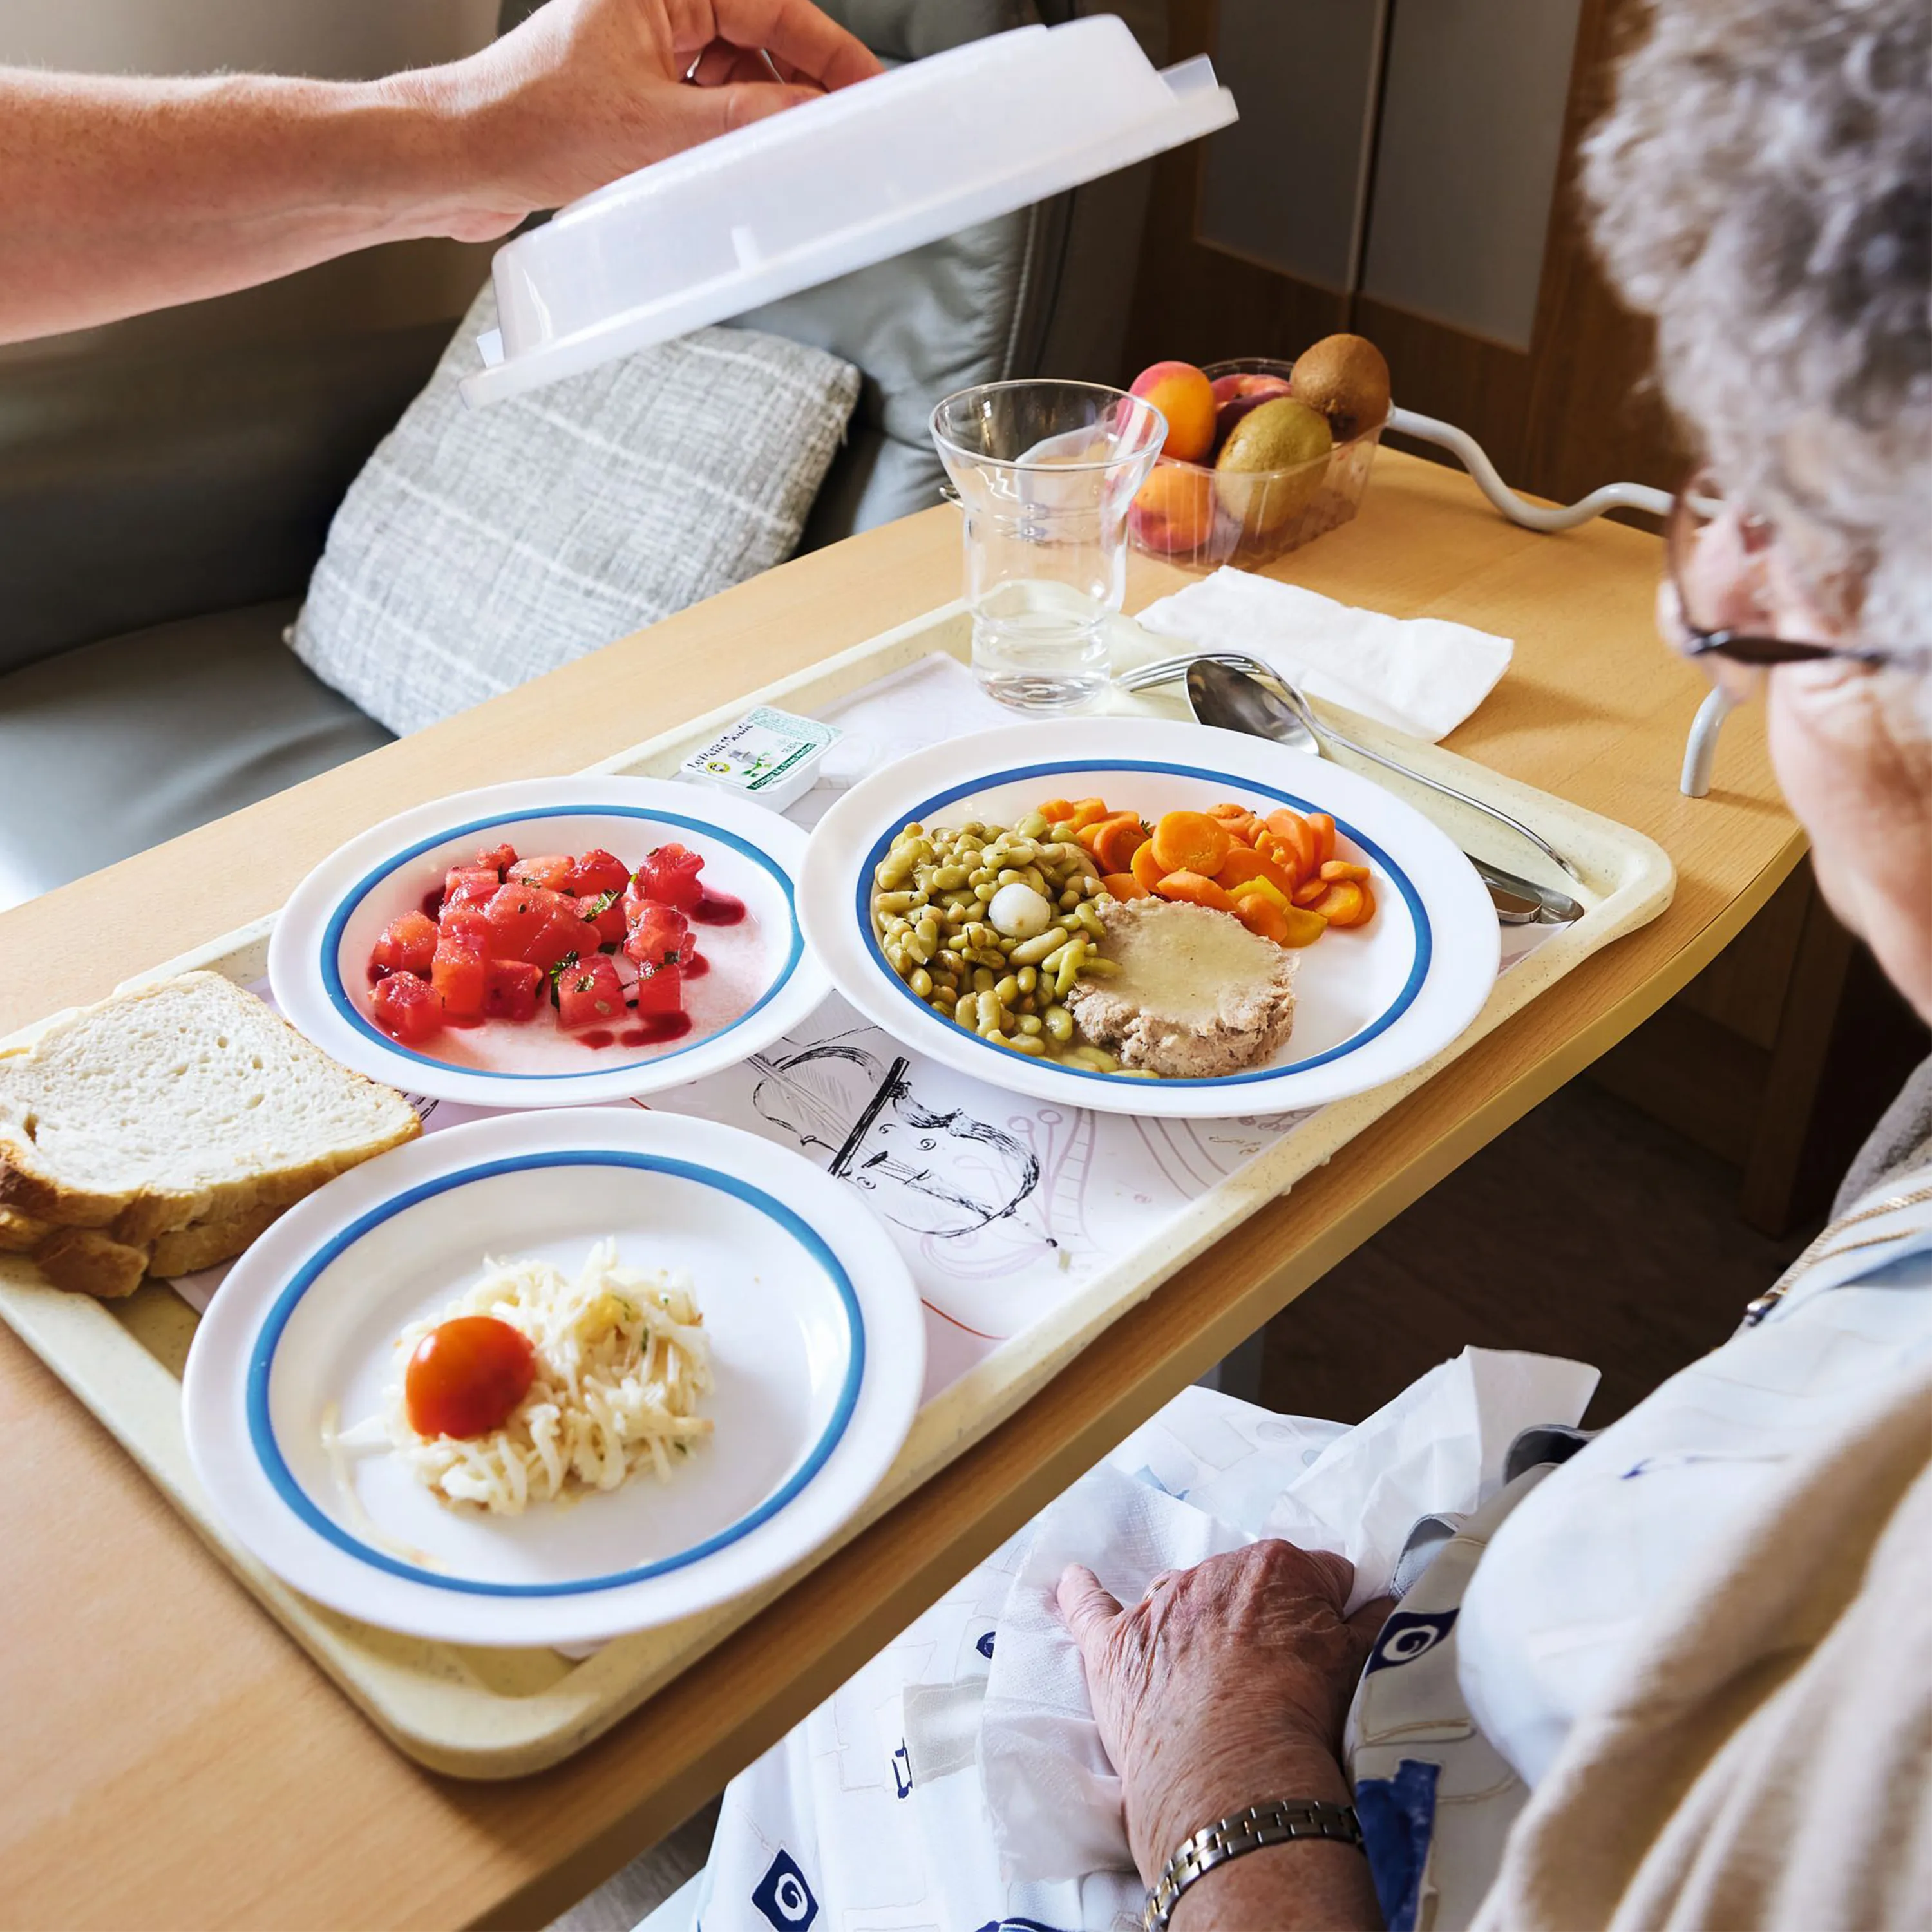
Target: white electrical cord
1700 748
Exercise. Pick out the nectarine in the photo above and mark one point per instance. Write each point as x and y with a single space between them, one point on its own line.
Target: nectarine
1184 396
1174 509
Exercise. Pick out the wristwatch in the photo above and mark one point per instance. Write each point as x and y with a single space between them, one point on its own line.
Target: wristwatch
1247 1830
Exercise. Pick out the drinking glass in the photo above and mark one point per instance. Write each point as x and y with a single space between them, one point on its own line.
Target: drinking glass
1044 472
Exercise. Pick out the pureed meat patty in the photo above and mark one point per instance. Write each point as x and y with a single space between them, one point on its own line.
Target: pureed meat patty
1198 996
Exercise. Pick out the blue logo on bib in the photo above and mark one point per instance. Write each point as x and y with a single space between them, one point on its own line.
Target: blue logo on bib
1408 1635
784 1897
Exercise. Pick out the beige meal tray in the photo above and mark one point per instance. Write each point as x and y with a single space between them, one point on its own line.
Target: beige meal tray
488 1713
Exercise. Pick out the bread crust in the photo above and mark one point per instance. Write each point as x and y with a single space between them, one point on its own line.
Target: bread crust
22 1233
188 1250
84 1260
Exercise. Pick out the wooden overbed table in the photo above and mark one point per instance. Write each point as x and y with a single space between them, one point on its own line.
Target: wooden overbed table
171 1760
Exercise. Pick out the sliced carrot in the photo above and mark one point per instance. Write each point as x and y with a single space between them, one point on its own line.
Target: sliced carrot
1262 888
1124 885
1304 928
1324 836
1297 836
1117 840
1088 812
1281 855
1309 890
1056 809
1368 893
1244 863
1340 868
1259 913
1146 868
1191 841
1240 822
1342 904
1195 889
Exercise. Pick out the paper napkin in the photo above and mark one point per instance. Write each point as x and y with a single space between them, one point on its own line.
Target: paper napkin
1422 676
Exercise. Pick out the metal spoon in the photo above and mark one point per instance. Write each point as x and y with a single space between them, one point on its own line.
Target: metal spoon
1234 700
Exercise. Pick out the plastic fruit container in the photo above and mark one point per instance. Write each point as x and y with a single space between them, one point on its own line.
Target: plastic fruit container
1191 515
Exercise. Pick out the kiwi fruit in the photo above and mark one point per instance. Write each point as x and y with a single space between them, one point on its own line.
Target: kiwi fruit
1345 378
1273 465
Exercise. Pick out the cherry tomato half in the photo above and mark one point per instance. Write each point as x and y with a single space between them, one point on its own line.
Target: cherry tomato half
467 1376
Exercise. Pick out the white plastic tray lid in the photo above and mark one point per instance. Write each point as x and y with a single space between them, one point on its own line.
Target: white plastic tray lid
831 186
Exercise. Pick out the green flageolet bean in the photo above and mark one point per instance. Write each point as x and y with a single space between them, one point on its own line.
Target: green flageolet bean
1062 830
948 878
1136 1072
1105 968
1025 1043
1093 1057
1029 1023
1069 970
891 902
1059 1024
1028 977
1090 920
1011 875
985 894
983 980
1008 988
1032 951
1068 898
921 982
1034 826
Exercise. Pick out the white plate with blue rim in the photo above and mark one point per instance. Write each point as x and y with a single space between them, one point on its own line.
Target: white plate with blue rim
758 979
816 1345
1371 1003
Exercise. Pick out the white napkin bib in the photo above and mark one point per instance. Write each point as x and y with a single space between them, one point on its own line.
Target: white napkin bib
1422 676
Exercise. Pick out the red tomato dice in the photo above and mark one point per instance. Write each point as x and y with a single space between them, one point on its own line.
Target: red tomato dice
659 934
511 990
669 876
459 970
598 870
409 1006
604 911
589 993
550 870
407 944
498 859
660 991
517 913
468 885
564 932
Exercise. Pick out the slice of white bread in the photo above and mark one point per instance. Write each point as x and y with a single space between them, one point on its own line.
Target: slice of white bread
22 1233
180 1107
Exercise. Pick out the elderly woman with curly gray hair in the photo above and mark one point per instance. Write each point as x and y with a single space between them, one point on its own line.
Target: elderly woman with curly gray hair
1681 1677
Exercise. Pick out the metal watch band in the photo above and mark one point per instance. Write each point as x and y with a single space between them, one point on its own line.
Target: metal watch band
1247 1830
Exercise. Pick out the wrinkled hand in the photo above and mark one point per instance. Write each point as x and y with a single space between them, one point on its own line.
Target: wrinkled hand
585 91
1225 1686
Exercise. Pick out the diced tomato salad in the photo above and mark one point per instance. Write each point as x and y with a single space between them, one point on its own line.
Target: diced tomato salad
512 938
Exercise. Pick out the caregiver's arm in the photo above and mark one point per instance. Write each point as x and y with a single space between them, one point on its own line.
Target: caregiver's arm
1226 1686
120 195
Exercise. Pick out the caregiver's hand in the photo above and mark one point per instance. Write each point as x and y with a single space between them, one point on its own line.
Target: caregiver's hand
585 91
1226 1686
121 193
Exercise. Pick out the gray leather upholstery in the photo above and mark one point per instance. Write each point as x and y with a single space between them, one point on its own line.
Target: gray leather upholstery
142 491
117 746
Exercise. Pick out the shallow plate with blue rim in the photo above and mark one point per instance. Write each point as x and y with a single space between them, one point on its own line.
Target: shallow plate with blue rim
817 1346
760 979
1371 1003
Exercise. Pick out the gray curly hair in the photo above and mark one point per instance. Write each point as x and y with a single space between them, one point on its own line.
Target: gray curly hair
1762 186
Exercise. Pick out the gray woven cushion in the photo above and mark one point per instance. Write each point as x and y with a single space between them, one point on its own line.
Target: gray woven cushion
481 547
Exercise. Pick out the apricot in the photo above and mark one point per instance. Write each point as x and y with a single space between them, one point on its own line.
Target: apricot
1173 510
1184 396
1191 841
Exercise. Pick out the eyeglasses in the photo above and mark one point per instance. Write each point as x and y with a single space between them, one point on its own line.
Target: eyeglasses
1719 558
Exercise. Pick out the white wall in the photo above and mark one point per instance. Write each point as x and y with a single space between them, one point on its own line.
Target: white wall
337 39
